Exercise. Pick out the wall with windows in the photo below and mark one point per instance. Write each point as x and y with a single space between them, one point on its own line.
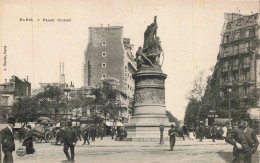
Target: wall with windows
238 53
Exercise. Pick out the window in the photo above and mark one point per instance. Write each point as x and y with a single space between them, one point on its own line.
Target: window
247 47
225 78
226 38
104 54
235 76
228 26
246 75
252 32
103 75
247 91
235 64
104 43
235 49
5 101
237 35
247 32
104 65
225 66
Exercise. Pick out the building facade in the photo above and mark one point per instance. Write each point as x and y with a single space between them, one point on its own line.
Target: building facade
239 59
11 91
109 56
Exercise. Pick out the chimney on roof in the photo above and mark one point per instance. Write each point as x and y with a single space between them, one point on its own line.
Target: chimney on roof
5 80
101 25
27 79
108 25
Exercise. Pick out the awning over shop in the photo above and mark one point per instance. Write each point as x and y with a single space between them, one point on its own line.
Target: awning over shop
109 123
115 123
221 121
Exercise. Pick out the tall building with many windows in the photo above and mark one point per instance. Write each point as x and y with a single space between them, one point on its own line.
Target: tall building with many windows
239 59
109 56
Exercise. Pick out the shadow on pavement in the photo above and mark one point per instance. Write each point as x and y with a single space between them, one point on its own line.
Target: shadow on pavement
227 156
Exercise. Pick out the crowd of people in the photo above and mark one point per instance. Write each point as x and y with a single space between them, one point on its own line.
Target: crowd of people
240 135
201 132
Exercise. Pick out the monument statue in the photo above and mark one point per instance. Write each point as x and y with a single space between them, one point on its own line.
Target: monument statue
149 96
149 56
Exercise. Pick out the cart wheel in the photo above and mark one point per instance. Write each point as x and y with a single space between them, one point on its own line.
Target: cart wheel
37 139
48 136
20 152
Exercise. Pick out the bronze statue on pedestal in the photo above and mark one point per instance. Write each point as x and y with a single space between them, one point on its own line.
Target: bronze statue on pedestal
149 56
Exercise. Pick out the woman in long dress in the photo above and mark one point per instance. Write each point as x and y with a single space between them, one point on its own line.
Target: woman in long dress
191 134
28 141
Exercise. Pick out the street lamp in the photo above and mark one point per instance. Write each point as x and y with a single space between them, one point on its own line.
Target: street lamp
229 91
67 90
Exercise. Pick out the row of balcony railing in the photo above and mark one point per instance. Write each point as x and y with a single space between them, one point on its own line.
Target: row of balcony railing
236 38
224 54
242 79
245 65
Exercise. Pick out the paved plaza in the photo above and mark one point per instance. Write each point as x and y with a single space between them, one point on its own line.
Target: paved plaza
108 150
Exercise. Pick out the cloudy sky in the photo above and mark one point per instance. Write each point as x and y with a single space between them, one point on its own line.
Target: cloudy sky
189 31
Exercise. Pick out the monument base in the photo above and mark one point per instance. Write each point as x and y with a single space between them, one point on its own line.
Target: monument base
147 131
254 114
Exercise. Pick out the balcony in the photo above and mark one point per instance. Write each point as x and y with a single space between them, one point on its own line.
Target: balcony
224 69
235 52
246 65
235 67
244 50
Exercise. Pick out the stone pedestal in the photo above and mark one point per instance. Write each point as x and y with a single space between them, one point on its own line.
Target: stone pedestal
149 105
254 114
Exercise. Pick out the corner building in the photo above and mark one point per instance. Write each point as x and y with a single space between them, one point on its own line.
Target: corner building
239 59
109 56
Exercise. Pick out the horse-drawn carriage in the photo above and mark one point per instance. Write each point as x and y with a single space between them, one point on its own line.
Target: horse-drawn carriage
43 130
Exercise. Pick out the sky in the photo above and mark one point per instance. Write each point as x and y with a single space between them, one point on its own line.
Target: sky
190 32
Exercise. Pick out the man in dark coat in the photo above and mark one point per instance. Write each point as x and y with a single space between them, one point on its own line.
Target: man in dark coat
28 141
70 140
201 131
93 132
112 132
86 135
8 145
244 141
172 133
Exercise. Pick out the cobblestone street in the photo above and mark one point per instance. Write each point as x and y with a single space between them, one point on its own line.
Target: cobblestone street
108 150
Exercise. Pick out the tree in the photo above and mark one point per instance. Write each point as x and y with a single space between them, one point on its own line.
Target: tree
194 110
172 118
105 101
52 100
25 110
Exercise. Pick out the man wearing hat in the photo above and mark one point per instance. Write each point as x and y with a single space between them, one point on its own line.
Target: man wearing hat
172 133
8 145
70 139
244 141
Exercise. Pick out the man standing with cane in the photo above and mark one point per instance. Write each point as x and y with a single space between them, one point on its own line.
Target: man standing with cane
70 140
172 133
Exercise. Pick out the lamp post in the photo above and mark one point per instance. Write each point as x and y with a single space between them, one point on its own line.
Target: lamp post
161 128
67 90
229 91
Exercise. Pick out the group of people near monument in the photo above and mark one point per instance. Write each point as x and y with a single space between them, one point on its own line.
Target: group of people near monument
239 134
214 132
